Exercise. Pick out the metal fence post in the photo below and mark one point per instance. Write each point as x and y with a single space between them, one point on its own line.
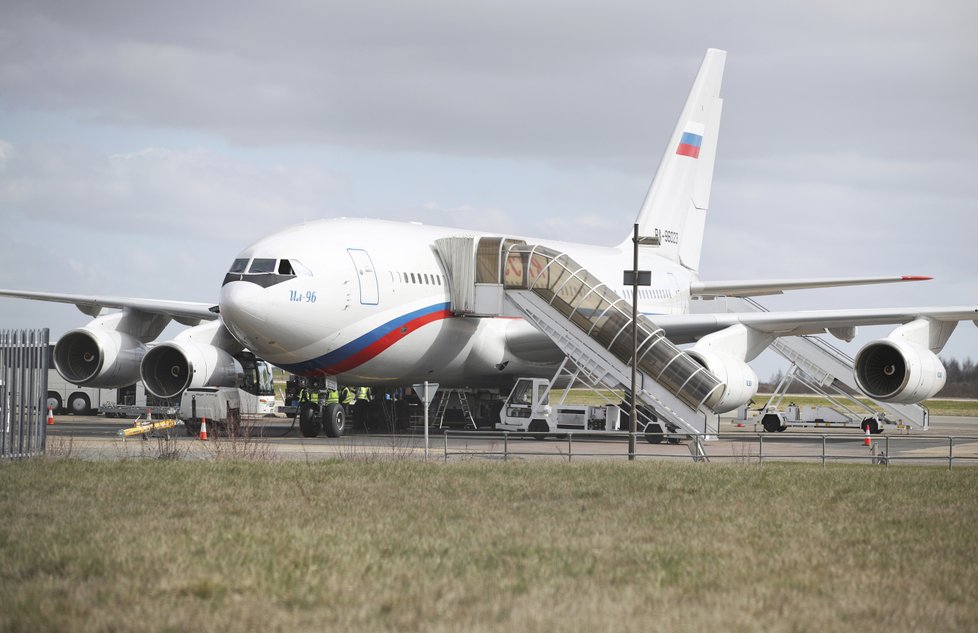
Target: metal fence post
445 435
570 448
886 451
950 452
505 446
760 448
823 450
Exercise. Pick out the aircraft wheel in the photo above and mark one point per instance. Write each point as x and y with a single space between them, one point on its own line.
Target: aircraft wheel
334 420
309 424
540 427
653 434
54 401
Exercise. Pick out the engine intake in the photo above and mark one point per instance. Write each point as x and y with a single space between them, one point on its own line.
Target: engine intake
98 358
897 371
172 367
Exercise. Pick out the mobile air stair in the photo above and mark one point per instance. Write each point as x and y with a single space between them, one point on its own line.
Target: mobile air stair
586 319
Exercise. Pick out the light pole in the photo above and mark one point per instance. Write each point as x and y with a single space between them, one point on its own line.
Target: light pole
633 416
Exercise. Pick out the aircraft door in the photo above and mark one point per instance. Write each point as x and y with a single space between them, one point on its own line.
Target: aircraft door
369 292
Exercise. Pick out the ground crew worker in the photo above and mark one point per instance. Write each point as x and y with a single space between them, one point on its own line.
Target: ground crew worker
333 397
346 397
309 395
363 393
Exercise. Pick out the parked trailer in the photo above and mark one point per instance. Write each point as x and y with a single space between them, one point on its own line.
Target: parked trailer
135 401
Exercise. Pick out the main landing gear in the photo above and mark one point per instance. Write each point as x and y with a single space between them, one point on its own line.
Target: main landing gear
312 421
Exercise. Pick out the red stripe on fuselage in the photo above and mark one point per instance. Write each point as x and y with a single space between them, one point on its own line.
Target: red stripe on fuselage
381 344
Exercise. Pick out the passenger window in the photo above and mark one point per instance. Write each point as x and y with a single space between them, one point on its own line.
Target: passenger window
426 279
262 266
412 279
239 266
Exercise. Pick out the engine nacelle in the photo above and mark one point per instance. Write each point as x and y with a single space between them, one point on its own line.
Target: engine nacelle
739 380
91 356
898 371
172 367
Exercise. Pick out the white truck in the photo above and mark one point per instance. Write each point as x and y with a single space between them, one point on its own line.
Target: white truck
528 410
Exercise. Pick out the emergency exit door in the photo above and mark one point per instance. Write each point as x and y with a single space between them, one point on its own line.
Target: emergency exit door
369 293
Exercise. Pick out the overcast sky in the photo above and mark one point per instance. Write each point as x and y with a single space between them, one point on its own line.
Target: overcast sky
143 145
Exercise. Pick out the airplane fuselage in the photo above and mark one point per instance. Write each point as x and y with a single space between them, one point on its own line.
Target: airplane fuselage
369 302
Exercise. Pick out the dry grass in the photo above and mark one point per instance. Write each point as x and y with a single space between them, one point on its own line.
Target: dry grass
404 546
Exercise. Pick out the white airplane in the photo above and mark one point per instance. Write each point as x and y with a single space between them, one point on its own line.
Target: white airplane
371 302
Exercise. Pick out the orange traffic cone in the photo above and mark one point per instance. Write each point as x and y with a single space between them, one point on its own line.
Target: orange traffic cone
866 440
203 429
50 416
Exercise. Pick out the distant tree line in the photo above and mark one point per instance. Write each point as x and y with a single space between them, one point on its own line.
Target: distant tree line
962 379
961 382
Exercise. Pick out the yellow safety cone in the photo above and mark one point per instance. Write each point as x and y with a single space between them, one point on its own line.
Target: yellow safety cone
866 440
203 429
50 416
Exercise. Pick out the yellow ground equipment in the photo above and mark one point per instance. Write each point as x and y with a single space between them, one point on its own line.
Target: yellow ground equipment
141 427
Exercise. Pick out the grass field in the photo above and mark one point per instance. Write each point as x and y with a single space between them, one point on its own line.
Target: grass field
408 546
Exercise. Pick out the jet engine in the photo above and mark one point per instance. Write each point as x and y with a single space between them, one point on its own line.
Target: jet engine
201 356
739 380
898 371
92 356
172 367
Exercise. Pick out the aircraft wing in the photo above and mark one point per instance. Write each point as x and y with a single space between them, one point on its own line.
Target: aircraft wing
186 312
687 328
758 287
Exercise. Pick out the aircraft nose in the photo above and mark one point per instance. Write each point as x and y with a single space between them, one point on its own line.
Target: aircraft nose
244 309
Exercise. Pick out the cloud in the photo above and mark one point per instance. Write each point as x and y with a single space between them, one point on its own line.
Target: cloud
159 192
568 81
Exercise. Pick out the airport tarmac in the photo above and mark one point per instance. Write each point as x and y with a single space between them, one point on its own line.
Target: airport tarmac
94 437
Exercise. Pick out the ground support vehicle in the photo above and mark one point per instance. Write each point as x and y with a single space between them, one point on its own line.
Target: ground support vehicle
843 411
528 410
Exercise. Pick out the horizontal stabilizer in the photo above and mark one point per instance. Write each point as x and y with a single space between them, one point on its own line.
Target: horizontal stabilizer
759 287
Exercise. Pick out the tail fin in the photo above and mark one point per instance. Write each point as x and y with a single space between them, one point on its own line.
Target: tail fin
675 207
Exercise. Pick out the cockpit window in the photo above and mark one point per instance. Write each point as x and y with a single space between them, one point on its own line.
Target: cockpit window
262 266
300 270
285 268
239 266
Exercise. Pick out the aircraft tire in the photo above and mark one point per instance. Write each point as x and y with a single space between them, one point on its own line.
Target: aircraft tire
334 420
309 423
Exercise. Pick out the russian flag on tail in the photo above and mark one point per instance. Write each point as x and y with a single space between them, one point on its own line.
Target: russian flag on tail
692 138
